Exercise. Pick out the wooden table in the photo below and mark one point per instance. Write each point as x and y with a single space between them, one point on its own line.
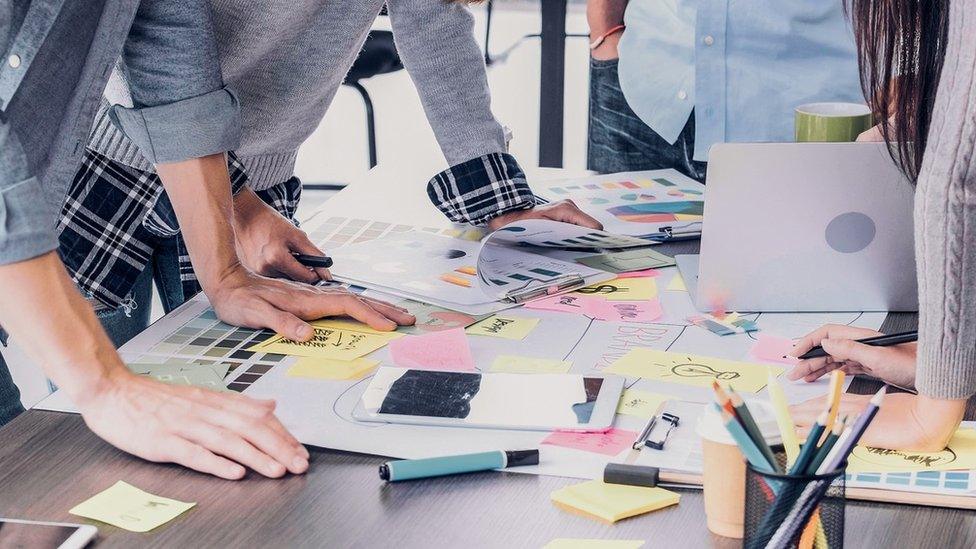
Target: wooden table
50 461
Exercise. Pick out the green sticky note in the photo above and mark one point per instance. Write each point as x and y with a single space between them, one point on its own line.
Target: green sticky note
627 261
130 508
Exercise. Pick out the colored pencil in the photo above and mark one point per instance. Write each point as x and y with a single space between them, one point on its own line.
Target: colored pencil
787 429
875 341
825 448
748 448
810 446
749 423
833 397
723 398
857 431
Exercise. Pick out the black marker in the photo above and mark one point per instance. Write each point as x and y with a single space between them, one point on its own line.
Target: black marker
876 341
316 261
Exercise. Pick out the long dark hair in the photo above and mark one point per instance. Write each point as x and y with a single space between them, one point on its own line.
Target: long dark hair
901 46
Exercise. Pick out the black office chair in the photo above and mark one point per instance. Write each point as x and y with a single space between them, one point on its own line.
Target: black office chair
379 56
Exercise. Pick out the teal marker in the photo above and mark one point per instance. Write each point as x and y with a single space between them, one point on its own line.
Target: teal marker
409 469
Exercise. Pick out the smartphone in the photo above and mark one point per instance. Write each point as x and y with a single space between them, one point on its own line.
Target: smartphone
16 533
542 402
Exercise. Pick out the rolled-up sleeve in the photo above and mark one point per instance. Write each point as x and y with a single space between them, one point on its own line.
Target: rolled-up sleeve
26 214
180 107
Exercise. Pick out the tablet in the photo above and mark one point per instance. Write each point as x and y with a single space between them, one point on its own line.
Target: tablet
29 533
541 402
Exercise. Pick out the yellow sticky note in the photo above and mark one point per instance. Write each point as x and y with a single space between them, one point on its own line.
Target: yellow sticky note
329 342
327 368
697 371
528 365
677 284
960 454
623 289
571 543
130 508
612 502
506 326
635 402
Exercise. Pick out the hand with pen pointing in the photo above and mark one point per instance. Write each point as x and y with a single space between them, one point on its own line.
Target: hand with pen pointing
894 365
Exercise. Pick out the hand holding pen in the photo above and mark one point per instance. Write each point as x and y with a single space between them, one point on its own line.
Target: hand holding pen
890 358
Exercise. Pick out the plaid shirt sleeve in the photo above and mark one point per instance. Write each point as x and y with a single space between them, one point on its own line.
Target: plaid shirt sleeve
482 189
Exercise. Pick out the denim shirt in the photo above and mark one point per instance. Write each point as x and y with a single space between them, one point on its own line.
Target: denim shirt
743 66
57 57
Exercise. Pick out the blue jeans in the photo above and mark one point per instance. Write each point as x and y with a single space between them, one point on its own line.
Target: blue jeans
122 323
619 141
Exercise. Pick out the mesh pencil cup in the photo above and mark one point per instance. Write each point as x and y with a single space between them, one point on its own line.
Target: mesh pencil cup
782 509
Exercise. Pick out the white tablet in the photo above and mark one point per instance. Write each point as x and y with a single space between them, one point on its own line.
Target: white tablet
541 402
29 533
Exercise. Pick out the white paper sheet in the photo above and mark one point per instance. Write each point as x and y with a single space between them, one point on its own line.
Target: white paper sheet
319 412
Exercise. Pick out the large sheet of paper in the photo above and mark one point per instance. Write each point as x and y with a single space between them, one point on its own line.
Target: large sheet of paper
319 411
637 203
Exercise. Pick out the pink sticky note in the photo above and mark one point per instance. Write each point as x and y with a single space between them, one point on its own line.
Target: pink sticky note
565 303
609 443
444 350
647 273
773 348
625 311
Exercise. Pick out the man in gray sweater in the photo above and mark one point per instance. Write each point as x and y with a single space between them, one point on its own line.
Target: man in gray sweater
286 60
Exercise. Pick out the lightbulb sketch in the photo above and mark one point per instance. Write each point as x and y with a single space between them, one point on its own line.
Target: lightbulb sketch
693 369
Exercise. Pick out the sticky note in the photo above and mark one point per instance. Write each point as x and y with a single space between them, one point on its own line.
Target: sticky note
210 376
624 311
328 368
627 260
646 273
504 326
328 342
609 443
677 284
697 371
771 348
612 502
130 508
644 404
959 454
574 543
446 350
623 289
529 365
564 303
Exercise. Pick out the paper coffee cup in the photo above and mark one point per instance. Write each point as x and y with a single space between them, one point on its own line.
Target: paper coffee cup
831 121
724 468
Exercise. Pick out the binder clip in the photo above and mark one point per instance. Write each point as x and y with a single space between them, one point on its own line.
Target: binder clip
657 431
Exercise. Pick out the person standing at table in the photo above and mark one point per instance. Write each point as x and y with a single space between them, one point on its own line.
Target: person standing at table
918 61
56 57
285 87
671 78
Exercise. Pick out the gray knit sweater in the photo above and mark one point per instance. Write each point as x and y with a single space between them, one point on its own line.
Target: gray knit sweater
945 219
286 60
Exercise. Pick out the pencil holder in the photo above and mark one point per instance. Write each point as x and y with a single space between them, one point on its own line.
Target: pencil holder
782 510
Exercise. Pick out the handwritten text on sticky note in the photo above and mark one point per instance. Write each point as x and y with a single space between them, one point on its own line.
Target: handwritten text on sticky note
504 326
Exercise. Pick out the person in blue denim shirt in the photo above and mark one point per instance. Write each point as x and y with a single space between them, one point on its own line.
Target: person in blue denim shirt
57 57
682 75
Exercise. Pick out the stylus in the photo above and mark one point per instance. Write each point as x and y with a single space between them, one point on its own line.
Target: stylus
876 341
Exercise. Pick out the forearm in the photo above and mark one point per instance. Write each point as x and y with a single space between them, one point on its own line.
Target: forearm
603 15
45 313
945 234
200 191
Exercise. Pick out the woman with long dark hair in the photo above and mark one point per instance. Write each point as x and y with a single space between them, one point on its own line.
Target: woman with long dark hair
918 67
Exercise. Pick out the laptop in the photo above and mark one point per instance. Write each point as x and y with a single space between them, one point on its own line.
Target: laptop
804 227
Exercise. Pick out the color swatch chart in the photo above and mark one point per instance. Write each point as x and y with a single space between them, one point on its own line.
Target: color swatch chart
204 338
940 482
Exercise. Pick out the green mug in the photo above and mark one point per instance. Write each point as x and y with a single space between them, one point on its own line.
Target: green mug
831 121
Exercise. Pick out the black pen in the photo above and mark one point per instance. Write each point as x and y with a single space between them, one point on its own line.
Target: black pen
316 261
876 341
